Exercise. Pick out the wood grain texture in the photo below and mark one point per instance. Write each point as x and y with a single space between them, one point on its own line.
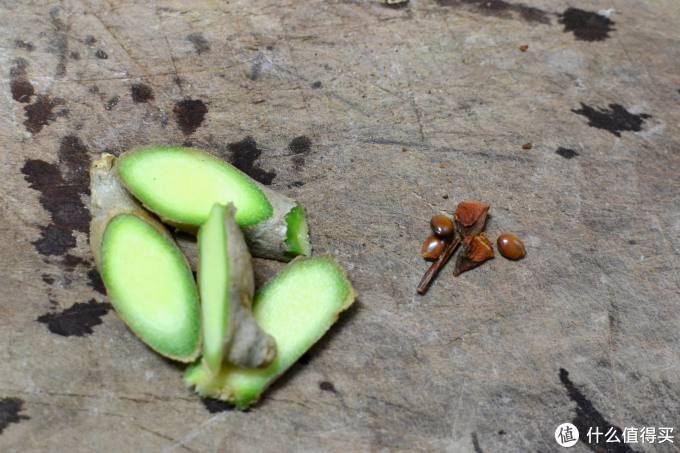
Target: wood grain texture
403 112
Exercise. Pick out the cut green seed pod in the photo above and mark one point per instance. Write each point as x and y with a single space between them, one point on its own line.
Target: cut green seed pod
182 184
225 281
296 307
147 278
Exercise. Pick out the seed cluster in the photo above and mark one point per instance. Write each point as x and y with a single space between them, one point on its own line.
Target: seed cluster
466 227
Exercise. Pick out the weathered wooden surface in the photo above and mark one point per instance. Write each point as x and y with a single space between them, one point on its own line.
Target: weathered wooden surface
375 119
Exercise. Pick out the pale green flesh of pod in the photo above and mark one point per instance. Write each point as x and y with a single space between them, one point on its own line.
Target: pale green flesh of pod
151 286
182 184
213 283
297 307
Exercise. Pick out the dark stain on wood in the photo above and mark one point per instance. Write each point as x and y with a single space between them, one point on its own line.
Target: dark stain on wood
328 386
567 153
74 157
475 443
401 5
589 417
189 114
54 240
215 406
256 68
61 187
77 320
70 261
616 119
112 102
40 113
21 44
501 9
244 155
20 86
199 42
59 43
95 281
586 25
300 147
141 93
10 412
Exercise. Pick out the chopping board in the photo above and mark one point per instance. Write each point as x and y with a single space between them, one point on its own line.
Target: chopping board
375 118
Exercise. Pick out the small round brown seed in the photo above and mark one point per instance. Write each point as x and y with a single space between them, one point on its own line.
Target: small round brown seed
510 246
432 247
442 226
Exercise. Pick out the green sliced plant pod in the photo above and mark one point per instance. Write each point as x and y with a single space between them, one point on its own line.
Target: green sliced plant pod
147 278
225 281
296 307
182 184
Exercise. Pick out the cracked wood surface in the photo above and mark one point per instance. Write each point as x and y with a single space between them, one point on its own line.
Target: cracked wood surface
375 118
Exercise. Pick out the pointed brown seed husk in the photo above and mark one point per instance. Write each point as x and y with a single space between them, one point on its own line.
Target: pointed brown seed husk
471 217
476 250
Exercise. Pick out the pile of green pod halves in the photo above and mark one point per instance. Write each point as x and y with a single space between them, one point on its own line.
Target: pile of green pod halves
237 340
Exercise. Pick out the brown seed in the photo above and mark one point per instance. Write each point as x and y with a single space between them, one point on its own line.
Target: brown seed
442 226
432 247
524 47
510 246
527 146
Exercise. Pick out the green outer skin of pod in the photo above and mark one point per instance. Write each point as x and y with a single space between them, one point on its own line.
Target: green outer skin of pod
111 203
226 285
296 307
273 224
